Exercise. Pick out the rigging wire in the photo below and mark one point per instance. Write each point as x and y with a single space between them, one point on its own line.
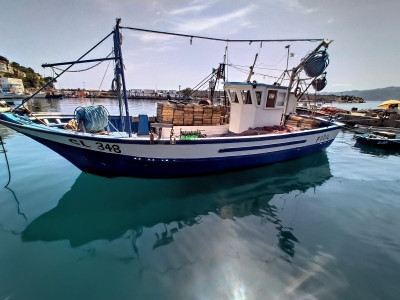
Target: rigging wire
244 69
219 39
70 66
101 83
261 63
83 70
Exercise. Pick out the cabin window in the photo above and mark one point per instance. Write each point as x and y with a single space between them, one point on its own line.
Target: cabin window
234 97
258 97
280 100
271 98
246 96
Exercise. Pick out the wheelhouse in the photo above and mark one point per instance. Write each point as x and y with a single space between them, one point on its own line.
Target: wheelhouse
256 105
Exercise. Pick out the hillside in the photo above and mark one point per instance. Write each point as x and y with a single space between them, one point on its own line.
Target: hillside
381 94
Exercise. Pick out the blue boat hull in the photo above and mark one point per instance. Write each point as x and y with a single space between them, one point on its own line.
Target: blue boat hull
112 156
109 165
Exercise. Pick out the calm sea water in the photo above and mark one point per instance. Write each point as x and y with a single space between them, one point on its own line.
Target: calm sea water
322 227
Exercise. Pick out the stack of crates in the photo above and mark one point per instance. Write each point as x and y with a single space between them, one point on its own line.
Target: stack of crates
179 115
165 113
309 123
216 116
207 115
198 115
303 123
188 115
293 121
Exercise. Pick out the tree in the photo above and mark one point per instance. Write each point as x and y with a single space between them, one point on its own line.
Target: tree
31 80
3 58
186 92
10 75
48 79
15 65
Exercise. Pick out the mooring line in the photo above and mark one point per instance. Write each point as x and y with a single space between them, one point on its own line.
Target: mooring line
8 165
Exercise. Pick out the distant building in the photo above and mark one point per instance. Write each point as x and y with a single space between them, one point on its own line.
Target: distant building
147 93
12 85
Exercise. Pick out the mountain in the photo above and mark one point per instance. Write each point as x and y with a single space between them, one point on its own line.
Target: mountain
381 94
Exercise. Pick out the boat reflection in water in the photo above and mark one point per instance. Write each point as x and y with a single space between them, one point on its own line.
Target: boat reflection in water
98 208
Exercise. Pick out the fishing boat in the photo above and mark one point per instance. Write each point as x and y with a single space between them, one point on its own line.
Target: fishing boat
257 127
6 95
380 139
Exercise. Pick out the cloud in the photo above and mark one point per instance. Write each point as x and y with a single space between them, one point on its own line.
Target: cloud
190 9
331 20
201 24
295 5
150 37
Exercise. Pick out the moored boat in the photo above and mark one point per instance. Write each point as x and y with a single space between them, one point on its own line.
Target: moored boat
380 139
259 128
4 107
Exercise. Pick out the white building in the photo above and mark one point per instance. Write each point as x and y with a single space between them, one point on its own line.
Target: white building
12 85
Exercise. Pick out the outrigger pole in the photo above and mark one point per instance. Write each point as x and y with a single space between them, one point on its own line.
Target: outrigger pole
79 60
297 70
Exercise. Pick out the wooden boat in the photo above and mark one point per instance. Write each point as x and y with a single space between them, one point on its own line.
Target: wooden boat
257 129
381 139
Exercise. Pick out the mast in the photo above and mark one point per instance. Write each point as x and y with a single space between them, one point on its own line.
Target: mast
120 80
251 69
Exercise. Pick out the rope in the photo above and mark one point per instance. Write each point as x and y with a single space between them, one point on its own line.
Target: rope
51 81
245 71
8 165
82 70
101 83
261 63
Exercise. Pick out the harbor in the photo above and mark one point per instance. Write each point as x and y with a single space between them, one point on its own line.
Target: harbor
229 227
199 155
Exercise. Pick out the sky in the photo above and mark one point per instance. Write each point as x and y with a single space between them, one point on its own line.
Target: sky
364 53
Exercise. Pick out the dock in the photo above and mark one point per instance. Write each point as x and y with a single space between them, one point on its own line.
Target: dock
369 119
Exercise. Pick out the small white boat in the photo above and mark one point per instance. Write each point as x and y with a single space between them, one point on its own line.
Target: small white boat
4 107
257 129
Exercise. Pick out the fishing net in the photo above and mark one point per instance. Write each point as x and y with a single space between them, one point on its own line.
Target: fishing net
95 117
